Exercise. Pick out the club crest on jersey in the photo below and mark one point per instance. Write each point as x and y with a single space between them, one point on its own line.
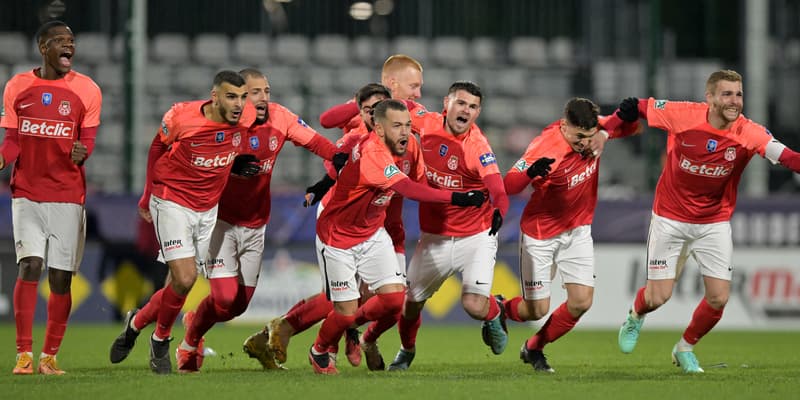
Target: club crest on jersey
273 143
47 98
730 153
301 122
711 145
64 108
237 139
452 163
487 159
521 165
660 104
390 171
443 150
220 137
406 167
254 142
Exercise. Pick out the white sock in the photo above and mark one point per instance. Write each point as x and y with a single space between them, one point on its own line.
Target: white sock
636 316
186 346
158 339
683 345
132 325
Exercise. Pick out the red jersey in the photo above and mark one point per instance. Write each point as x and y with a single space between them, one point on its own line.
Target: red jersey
246 201
357 207
194 170
455 163
704 164
48 116
567 197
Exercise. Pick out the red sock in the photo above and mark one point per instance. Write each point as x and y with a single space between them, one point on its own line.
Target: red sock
408 331
379 306
703 319
512 309
559 323
216 307
24 307
171 304
309 313
243 296
149 312
298 304
58 308
331 330
391 306
494 309
639 304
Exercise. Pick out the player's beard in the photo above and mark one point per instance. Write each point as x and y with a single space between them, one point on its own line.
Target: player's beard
395 147
224 111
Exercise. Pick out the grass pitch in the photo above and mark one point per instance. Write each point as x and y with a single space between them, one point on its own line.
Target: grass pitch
452 362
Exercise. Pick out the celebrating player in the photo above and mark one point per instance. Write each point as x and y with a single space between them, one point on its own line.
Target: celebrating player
457 157
188 165
351 238
708 146
237 242
51 117
556 223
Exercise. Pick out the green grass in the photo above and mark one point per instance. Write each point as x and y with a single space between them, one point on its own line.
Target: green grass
452 362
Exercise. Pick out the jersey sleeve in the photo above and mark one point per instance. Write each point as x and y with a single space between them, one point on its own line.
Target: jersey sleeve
675 116
754 137
92 98
479 155
378 169
544 145
8 116
419 115
168 132
297 131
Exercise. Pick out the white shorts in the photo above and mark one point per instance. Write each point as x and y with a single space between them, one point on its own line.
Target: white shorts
670 243
235 250
182 232
438 257
374 261
570 253
55 232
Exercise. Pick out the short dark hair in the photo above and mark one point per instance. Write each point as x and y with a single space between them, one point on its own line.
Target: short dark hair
383 106
44 30
372 89
251 73
228 76
582 113
468 86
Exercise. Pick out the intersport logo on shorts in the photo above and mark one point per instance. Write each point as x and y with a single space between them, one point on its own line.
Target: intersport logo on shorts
218 161
710 170
442 179
46 128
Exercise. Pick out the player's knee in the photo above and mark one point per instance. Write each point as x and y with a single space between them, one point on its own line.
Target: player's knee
579 307
717 301
183 283
60 281
30 268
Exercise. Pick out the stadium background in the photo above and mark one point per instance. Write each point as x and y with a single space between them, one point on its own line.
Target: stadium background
529 56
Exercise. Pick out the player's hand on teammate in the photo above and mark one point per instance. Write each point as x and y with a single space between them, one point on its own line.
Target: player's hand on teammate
315 192
339 159
629 109
540 167
245 165
145 214
497 222
79 153
466 199
596 144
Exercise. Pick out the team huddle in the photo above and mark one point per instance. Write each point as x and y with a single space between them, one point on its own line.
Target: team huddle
207 194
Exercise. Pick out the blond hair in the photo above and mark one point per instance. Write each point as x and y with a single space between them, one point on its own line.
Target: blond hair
397 62
721 75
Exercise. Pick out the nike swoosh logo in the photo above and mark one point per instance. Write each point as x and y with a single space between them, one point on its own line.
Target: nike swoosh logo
24 106
399 274
195 144
481 283
424 149
684 144
566 170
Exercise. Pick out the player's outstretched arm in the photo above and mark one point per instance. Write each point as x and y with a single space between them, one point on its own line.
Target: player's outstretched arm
424 193
9 149
315 192
338 115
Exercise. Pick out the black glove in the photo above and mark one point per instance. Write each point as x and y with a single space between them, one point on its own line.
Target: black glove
466 199
540 167
629 109
245 165
339 159
315 192
497 222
